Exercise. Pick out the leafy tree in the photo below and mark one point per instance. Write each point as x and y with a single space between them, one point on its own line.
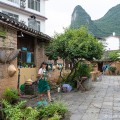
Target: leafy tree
74 45
114 56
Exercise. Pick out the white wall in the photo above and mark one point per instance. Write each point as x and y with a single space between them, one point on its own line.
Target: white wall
25 18
42 24
112 43
11 3
42 6
21 16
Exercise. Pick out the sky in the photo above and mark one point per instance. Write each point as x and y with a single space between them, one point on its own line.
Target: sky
59 12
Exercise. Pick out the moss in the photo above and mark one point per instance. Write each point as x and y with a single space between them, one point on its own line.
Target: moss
3 34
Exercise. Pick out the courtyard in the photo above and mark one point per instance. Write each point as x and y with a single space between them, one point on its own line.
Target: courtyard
102 102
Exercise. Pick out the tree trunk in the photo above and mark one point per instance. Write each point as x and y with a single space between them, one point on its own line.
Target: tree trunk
72 70
66 64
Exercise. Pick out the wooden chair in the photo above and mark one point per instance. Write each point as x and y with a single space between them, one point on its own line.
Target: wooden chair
80 83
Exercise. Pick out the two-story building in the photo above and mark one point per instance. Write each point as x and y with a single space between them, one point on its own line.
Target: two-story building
22 26
22 10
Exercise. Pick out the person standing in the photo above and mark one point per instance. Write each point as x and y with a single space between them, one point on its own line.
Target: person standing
104 69
43 86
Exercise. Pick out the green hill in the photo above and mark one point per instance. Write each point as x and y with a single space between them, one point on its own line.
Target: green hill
102 27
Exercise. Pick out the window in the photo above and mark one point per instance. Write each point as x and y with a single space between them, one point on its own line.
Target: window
32 23
34 4
26 55
16 17
14 1
38 26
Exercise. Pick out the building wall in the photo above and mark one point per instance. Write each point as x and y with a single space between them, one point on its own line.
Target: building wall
25 73
114 64
42 6
11 3
10 40
39 53
112 43
24 16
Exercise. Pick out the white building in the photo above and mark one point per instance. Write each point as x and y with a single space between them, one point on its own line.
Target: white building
22 10
112 43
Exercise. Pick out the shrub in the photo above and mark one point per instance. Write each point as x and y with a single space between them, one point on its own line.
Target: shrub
11 95
12 112
81 70
55 117
30 113
18 112
52 109
112 69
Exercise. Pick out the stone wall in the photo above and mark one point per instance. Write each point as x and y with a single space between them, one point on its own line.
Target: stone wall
10 41
114 64
39 53
40 57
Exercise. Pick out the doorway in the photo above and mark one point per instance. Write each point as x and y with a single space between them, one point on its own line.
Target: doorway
100 65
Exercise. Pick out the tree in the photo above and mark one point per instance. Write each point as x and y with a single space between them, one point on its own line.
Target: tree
114 55
74 45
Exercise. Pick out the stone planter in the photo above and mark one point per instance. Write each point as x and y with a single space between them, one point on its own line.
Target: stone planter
88 84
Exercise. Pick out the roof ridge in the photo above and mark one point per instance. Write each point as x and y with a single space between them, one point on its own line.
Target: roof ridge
9 20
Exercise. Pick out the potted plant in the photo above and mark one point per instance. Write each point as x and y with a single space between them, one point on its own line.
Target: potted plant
112 69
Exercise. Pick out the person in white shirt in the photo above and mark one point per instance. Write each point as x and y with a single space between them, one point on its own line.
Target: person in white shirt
43 86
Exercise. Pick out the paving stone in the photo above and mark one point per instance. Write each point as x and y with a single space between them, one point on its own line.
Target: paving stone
92 110
104 116
116 109
116 116
106 111
108 103
76 117
102 102
90 117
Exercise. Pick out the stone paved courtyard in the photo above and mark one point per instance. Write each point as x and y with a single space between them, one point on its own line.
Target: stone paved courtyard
102 102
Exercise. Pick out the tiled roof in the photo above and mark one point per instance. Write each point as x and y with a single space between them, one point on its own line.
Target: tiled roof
5 19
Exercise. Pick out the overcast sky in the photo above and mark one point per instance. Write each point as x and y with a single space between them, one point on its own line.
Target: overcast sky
59 12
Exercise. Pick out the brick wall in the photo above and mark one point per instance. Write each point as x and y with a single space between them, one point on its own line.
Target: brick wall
10 40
